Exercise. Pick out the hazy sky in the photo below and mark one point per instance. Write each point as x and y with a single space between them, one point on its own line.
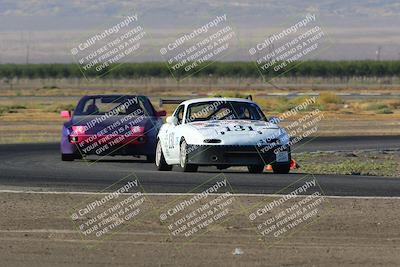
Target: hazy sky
45 31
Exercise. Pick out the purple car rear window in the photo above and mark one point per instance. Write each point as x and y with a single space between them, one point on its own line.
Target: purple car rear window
118 105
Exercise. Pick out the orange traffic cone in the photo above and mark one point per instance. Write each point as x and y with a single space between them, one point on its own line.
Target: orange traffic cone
293 164
268 167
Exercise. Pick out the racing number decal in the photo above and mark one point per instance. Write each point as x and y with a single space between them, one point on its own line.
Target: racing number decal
171 140
239 128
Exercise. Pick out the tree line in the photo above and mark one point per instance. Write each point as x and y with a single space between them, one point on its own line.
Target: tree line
314 68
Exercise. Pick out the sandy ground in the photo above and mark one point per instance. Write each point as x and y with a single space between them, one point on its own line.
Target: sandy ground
36 230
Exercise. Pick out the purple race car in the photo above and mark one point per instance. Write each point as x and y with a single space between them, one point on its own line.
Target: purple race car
111 125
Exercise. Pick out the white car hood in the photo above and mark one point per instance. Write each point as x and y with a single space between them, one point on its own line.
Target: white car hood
236 132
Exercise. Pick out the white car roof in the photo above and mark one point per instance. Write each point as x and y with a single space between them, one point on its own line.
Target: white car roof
206 99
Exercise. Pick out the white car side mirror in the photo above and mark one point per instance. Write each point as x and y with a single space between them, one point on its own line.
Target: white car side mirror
171 120
274 120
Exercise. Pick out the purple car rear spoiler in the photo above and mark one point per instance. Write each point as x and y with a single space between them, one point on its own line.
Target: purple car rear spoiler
172 101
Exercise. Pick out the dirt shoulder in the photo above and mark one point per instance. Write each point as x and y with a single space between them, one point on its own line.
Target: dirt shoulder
36 229
372 162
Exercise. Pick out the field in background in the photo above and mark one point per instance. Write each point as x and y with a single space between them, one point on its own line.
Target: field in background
195 85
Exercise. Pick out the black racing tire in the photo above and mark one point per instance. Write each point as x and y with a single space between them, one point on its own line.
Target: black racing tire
67 157
281 169
255 168
183 159
151 158
159 160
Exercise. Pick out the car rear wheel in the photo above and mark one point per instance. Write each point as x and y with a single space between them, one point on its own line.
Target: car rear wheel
255 168
160 160
183 159
151 158
67 157
282 169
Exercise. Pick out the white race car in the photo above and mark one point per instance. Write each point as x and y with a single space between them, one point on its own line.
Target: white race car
221 132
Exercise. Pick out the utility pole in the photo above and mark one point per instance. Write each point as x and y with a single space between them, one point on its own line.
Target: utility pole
378 53
271 48
28 48
27 54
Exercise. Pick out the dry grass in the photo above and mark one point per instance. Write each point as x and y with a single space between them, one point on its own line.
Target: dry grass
375 163
170 86
382 106
329 98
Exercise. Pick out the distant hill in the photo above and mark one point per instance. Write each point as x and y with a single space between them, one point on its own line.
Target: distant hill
48 29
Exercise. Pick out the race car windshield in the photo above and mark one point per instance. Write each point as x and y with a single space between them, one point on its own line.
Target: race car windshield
223 110
114 105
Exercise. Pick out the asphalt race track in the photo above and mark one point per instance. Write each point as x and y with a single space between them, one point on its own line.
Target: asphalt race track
38 167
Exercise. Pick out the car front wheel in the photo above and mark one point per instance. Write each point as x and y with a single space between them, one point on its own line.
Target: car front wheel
281 169
255 168
160 160
183 159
